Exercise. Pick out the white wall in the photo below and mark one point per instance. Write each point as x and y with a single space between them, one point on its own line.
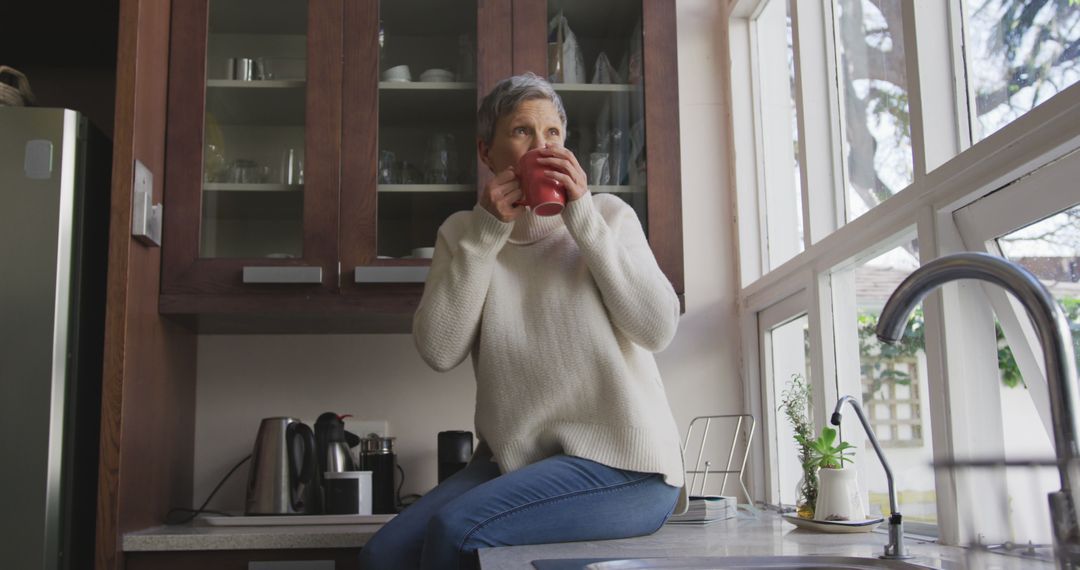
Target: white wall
244 378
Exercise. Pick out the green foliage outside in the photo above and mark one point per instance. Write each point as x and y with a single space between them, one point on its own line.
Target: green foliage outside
875 356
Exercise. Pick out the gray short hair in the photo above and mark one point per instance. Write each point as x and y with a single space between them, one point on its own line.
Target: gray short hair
507 95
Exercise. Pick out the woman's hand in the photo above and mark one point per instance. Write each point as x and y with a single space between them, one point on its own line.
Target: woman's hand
565 168
501 195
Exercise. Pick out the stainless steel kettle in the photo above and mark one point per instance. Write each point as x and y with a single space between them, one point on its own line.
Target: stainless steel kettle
284 470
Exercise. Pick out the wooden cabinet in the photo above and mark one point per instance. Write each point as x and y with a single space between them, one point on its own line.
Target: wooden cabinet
314 559
314 147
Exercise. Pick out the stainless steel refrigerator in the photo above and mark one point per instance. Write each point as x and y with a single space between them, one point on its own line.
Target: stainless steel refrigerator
54 213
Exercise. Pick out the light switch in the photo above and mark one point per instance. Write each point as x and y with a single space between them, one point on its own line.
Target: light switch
145 215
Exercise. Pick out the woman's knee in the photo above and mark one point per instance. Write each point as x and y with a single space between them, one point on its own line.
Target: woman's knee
383 552
447 528
447 544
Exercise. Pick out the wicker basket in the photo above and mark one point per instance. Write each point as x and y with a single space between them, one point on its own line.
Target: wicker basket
14 88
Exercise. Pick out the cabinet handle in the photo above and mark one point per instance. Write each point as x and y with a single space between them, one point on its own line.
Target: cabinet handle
389 274
305 275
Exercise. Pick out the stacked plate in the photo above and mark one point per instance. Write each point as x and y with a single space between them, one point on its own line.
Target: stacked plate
437 76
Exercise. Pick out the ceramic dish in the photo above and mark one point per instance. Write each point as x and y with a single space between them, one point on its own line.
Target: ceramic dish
436 76
834 526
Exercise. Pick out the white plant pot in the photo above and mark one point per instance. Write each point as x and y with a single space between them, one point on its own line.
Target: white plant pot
838 496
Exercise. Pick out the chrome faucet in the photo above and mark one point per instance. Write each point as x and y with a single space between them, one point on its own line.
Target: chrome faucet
895 549
1056 339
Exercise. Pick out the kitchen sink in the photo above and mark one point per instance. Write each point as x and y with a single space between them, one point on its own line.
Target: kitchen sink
747 562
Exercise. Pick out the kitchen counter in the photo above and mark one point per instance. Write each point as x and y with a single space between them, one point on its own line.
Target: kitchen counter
763 534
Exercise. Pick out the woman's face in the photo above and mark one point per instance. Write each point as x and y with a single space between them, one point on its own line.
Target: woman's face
533 124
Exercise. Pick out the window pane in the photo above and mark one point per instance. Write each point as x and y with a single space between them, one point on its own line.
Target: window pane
1020 54
895 393
1025 438
256 123
780 135
876 133
790 363
1051 250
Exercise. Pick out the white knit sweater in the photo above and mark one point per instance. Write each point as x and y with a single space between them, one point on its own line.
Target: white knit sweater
561 315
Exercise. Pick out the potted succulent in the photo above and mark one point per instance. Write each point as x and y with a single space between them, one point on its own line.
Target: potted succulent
838 496
795 405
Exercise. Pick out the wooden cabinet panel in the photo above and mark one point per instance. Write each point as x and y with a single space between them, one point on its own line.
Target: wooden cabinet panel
343 558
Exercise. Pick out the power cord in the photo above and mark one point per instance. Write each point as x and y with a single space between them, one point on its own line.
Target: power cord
192 513
407 500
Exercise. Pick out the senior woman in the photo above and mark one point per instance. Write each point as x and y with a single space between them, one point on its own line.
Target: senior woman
561 315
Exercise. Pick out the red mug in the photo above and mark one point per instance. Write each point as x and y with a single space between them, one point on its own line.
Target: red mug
544 195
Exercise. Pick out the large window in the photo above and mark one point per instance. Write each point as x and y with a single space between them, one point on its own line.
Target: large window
1021 53
790 367
869 155
891 381
1050 249
781 176
874 94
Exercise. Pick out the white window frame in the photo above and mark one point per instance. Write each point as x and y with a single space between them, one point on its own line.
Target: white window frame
949 174
1007 210
790 308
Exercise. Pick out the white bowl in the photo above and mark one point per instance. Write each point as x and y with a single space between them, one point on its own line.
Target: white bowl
397 73
423 252
437 76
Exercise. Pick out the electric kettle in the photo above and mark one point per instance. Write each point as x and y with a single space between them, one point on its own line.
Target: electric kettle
284 475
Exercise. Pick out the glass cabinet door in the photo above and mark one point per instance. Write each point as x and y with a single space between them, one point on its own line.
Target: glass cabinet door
408 133
426 166
252 146
254 132
595 59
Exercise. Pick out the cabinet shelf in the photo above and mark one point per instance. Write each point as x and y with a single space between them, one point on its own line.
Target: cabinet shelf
623 189
423 103
232 187
426 86
416 188
260 84
272 102
469 188
569 88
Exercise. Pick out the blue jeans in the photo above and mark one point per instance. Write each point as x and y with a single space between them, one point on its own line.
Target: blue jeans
559 499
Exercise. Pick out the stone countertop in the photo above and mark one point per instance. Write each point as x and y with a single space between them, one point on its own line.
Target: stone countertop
760 534
205 537
763 534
